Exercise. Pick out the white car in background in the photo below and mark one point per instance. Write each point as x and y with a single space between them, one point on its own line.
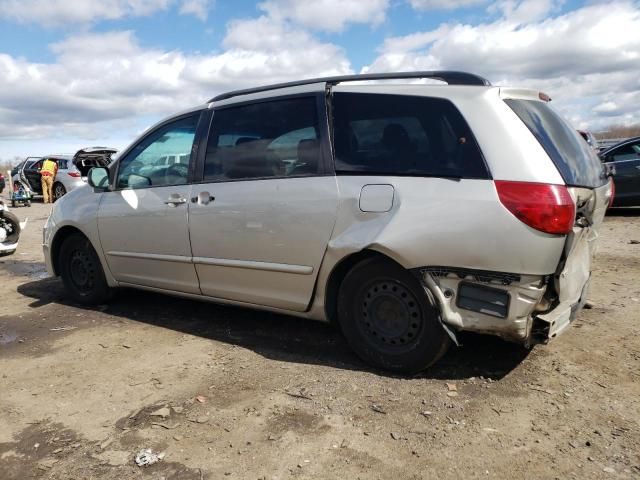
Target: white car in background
72 170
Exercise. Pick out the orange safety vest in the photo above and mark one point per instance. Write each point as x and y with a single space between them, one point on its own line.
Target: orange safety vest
49 167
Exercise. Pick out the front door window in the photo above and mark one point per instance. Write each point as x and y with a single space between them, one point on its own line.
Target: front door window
162 159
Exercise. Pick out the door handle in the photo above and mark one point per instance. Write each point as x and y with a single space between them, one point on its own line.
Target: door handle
203 198
175 199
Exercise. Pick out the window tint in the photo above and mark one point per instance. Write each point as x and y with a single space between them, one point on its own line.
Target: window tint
260 140
630 151
575 160
162 158
402 135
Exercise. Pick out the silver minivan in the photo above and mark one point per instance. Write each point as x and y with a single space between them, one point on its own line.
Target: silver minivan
404 213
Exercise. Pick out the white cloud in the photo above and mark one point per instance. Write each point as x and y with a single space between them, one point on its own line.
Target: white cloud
525 11
62 12
582 59
444 4
97 80
329 15
198 8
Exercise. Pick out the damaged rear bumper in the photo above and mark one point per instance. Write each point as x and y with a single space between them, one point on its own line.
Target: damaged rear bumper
549 325
494 303
513 307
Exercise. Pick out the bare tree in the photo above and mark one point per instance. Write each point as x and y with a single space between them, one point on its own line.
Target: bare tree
619 131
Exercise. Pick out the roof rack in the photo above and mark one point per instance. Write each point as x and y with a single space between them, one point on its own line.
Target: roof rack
450 77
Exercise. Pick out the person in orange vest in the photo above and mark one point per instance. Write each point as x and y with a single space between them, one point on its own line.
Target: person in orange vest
47 174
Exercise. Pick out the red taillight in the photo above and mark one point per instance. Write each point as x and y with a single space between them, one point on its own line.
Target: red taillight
74 174
545 207
612 192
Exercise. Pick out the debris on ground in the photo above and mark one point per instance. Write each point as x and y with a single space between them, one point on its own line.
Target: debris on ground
299 394
165 425
163 412
378 409
634 242
106 443
61 329
147 457
201 399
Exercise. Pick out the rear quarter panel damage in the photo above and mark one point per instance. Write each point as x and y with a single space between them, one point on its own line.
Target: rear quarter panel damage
443 222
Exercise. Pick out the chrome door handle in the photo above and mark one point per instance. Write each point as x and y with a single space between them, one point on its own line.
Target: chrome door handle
203 198
175 200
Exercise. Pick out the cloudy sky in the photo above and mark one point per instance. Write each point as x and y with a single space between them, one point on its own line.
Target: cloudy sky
75 73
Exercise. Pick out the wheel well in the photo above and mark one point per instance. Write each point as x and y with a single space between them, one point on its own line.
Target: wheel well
58 240
337 276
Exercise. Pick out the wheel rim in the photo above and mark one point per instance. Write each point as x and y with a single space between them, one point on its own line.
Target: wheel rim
390 315
81 271
59 191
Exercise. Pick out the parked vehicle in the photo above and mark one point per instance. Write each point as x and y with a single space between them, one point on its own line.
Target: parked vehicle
72 170
624 159
590 139
403 213
2 182
87 158
31 171
9 230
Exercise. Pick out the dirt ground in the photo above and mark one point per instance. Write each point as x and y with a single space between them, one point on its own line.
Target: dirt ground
233 393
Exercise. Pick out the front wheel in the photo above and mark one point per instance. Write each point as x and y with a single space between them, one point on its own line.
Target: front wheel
388 319
81 271
58 191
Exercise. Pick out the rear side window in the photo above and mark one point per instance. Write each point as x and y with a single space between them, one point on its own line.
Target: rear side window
578 165
403 135
269 139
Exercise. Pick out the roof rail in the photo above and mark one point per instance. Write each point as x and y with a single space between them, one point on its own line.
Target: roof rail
450 77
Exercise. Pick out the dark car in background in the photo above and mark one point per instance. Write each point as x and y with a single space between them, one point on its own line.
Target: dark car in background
624 157
2 182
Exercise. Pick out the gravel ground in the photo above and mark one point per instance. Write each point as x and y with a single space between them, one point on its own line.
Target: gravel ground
234 393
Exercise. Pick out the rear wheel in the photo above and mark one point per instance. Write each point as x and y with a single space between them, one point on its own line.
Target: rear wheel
388 319
58 191
82 272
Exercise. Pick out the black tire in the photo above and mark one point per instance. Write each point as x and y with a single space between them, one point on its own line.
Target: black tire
58 191
81 271
388 319
13 223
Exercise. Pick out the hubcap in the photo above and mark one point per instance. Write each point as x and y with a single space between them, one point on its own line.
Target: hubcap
81 271
390 315
59 191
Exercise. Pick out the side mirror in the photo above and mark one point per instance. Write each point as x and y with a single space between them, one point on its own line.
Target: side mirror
98 178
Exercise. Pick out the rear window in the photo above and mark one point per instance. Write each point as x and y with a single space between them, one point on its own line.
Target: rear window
403 135
572 156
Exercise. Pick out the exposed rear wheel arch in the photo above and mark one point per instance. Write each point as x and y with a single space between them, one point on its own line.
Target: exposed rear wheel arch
337 276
